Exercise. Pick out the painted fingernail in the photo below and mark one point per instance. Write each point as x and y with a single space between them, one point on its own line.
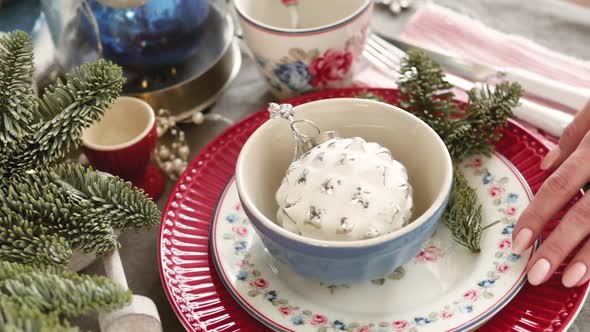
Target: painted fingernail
574 274
522 240
539 271
550 158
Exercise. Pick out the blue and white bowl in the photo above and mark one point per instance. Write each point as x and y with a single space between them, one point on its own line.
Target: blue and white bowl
268 152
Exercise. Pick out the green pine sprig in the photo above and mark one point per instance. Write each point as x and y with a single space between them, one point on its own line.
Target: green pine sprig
74 203
65 110
35 195
46 211
116 200
15 317
425 93
28 242
17 103
486 112
53 290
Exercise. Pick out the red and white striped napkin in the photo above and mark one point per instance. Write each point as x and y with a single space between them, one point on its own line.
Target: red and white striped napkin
436 27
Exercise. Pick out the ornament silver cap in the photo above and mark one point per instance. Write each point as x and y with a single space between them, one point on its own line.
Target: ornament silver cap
319 139
303 142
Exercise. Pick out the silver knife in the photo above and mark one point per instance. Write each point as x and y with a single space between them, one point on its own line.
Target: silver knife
573 97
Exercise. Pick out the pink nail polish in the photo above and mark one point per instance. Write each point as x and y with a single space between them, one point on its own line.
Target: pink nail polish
574 274
539 272
522 240
550 158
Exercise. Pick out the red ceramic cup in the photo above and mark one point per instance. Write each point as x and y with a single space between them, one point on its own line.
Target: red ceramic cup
122 142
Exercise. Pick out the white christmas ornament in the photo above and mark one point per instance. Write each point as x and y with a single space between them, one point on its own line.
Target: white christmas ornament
343 189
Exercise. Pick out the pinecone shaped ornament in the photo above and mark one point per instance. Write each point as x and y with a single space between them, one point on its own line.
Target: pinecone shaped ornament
341 189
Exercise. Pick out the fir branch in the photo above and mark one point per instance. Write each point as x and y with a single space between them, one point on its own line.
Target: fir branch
486 112
95 85
9 270
16 317
65 110
69 108
67 293
27 242
120 203
43 216
17 101
35 195
425 93
463 215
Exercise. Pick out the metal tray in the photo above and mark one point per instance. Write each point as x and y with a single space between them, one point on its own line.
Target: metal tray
195 85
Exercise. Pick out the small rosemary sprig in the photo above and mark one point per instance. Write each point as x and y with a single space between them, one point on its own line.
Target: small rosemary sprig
463 214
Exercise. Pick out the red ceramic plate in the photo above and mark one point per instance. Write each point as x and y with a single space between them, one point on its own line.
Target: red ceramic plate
203 304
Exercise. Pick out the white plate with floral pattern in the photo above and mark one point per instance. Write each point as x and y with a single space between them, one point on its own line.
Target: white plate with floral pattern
443 288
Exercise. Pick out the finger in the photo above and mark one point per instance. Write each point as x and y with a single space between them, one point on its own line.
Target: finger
571 231
555 192
578 271
569 140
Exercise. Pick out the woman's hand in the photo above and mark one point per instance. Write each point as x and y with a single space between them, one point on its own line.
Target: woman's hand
570 161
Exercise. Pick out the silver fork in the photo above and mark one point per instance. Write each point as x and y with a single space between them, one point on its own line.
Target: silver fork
388 57
383 55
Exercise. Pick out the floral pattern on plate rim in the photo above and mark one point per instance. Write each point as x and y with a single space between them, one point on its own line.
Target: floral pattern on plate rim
259 286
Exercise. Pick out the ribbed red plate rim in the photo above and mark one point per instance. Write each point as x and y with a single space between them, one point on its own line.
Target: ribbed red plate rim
202 303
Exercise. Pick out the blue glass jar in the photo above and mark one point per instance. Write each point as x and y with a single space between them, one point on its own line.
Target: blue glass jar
158 33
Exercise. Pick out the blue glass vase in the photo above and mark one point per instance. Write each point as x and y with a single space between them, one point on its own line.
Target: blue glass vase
158 33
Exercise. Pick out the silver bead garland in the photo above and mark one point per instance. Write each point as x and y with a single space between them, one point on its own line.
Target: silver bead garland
172 157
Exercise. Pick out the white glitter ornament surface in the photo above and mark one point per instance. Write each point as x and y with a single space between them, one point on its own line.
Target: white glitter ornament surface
345 189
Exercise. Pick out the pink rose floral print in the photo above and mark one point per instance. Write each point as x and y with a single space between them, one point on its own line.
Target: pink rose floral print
331 66
303 71
429 254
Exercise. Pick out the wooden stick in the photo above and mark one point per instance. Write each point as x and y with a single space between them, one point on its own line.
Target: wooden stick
140 315
114 268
